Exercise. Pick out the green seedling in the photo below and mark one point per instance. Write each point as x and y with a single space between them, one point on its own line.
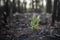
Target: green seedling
35 22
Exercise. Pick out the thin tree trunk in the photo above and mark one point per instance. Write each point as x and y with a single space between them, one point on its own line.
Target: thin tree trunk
32 6
49 6
54 12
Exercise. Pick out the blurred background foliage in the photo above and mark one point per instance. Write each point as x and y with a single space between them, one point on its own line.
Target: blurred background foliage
30 5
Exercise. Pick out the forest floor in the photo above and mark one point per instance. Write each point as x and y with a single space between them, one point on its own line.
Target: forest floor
20 28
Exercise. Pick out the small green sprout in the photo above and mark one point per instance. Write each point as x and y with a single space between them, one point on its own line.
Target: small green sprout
35 22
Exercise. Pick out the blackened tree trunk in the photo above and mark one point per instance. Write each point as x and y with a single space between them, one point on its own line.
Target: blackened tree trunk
54 12
58 11
6 12
18 5
32 6
24 3
58 18
37 4
14 6
36 1
48 6
0 3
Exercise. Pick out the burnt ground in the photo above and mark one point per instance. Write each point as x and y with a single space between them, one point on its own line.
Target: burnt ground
20 29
